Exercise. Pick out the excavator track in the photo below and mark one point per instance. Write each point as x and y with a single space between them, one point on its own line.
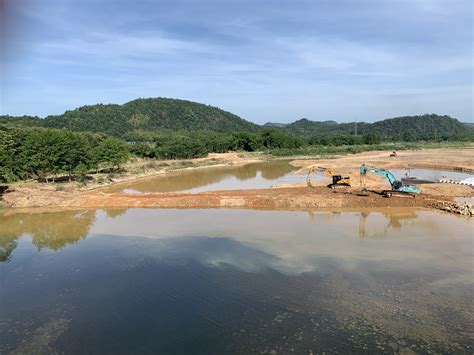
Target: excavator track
390 193
340 187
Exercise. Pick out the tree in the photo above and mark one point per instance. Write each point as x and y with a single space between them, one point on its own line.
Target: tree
138 120
40 153
142 150
181 148
245 141
409 135
111 151
275 138
372 138
7 157
73 153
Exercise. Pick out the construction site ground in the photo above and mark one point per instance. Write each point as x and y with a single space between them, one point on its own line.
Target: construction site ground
41 196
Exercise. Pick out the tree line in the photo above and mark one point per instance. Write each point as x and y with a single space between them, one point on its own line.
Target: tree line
185 145
42 154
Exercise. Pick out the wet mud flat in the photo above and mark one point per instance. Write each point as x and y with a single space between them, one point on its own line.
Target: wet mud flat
235 281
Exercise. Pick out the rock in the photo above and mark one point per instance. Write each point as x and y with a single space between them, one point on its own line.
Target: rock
464 209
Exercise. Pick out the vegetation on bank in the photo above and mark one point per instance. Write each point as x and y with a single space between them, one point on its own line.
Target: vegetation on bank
50 154
38 153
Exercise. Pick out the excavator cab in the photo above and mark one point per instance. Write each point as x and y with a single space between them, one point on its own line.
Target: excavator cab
336 178
397 184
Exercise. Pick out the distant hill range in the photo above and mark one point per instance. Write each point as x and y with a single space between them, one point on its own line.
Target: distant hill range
423 127
171 114
275 124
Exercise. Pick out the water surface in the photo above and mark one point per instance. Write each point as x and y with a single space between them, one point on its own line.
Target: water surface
232 281
259 175
430 174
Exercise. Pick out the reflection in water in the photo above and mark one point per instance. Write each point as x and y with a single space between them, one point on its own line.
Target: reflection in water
232 281
395 221
115 212
6 248
249 176
50 230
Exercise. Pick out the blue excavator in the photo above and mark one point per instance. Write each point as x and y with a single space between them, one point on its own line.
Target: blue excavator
397 186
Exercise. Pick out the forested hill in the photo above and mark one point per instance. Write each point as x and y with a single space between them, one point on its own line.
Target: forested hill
144 115
140 117
424 127
421 127
305 127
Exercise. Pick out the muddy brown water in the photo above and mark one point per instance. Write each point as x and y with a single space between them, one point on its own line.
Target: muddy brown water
235 281
250 176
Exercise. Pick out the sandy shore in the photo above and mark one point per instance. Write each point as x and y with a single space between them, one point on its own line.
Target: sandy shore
296 197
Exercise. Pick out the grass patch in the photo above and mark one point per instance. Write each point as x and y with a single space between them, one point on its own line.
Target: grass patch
152 165
183 164
138 170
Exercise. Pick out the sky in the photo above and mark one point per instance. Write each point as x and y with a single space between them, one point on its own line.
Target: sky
263 60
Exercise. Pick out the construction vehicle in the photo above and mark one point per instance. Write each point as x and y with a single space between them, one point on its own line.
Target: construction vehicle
337 180
398 187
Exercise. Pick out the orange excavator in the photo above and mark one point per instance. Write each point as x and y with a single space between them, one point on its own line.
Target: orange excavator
337 179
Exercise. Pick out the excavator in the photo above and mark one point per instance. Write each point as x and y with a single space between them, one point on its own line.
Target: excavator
337 180
397 186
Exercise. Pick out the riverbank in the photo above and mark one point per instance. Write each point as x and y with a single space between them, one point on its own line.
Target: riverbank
293 197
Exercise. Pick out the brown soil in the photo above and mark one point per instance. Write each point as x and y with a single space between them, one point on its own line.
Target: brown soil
442 158
297 197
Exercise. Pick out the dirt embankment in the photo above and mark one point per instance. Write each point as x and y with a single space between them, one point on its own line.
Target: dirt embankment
291 198
285 198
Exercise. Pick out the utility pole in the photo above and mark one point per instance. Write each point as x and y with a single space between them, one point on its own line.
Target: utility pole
355 128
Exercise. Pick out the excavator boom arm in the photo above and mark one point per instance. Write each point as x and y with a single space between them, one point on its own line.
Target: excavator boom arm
391 179
327 170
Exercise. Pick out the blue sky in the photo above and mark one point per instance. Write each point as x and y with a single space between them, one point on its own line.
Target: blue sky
263 60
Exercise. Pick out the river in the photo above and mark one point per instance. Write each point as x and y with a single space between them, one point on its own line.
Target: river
235 281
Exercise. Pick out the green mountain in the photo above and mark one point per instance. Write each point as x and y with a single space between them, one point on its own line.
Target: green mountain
305 127
28 121
424 127
275 124
140 116
144 115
